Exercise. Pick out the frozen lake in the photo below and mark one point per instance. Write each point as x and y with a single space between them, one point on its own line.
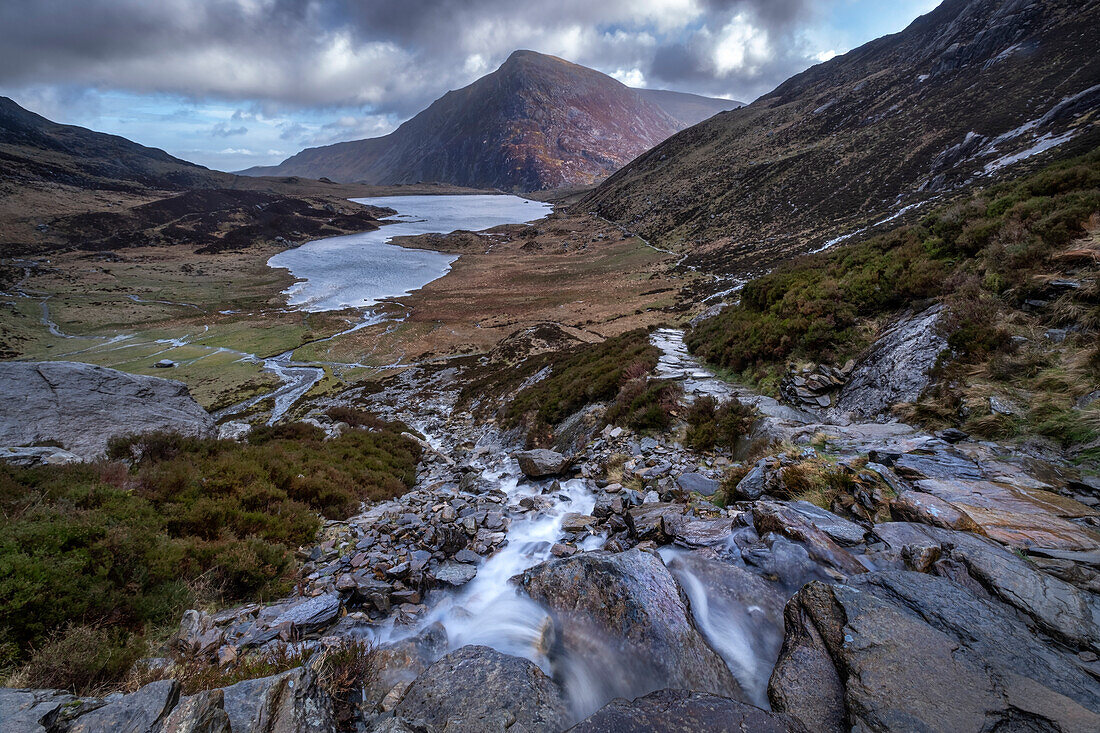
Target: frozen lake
358 270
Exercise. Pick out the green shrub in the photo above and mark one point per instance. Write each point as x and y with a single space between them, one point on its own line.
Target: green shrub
83 659
92 546
714 424
645 405
582 376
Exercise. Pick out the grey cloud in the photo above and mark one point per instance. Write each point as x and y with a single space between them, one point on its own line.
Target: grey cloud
387 57
223 130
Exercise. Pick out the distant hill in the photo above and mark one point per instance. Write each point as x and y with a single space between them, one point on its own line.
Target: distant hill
972 90
689 109
34 149
537 122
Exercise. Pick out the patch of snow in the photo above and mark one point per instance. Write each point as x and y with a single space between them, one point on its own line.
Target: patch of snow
1042 144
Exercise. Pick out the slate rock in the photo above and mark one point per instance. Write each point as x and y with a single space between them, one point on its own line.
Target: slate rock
140 712
477 689
698 483
631 600
684 711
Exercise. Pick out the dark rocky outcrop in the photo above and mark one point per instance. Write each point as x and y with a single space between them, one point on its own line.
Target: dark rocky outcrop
83 406
683 711
478 689
895 369
916 652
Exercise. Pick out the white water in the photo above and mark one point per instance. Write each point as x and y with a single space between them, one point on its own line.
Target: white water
358 270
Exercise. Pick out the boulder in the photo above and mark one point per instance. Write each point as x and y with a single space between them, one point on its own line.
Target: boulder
401 662
310 615
684 711
916 652
655 521
697 483
143 711
541 463
630 604
752 486
83 406
895 369
454 573
478 689
771 516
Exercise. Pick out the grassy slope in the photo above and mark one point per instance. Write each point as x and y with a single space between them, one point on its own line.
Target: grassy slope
995 259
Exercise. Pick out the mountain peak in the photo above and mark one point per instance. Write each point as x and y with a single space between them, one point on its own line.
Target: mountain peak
536 122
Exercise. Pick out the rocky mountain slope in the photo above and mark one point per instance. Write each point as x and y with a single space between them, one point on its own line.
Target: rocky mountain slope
965 92
537 122
36 150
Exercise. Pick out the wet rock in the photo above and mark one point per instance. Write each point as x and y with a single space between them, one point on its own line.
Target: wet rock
684 711
83 406
202 712
839 529
455 574
573 522
142 711
631 598
702 532
478 689
309 615
770 516
917 506
401 662
697 483
22 711
541 463
895 369
752 486
467 556
917 652
655 521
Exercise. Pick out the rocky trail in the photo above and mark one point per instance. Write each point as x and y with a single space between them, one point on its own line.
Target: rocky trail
953 586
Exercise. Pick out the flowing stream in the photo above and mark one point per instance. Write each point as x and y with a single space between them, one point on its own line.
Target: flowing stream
591 668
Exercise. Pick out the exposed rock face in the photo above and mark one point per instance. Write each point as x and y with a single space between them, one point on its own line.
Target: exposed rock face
541 463
630 602
683 711
142 712
478 689
916 652
289 702
896 369
536 122
23 711
83 406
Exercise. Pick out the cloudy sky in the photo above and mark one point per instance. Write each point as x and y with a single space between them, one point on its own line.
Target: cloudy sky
234 83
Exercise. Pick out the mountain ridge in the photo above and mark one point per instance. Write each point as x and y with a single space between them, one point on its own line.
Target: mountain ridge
536 122
966 90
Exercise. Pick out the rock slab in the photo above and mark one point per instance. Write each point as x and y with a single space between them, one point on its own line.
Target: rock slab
83 406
